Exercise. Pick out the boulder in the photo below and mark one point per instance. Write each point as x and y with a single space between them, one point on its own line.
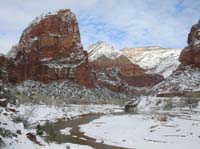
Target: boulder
31 137
3 102
131 106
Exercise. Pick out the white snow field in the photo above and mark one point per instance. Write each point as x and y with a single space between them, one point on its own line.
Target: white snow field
170 130
148 129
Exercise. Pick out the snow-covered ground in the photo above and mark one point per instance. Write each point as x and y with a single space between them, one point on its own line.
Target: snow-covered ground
20 141
66 131
42 113
153 131
35 114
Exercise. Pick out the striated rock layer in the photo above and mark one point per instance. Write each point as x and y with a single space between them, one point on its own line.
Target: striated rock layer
50 49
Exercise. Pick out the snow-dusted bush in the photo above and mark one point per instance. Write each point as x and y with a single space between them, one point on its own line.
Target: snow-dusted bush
65 92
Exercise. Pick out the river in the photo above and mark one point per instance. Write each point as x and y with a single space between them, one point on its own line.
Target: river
76 136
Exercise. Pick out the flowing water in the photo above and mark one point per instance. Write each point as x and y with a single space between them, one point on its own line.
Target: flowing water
76 136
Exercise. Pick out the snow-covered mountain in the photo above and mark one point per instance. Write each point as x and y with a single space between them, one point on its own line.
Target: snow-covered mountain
101 48
155 59
117 68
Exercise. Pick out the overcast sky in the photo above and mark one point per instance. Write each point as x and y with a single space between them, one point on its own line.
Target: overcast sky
122 23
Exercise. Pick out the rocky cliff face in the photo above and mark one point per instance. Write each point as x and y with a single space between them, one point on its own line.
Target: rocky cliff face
50 49
191 54
114 69
154 59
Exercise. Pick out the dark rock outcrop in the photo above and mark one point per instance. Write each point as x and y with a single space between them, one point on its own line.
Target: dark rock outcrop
3 103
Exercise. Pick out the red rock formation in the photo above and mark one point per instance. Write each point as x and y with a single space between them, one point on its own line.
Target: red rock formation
115 73
191 54
50 49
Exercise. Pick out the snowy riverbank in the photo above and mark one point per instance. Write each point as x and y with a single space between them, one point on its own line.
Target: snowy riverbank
14 129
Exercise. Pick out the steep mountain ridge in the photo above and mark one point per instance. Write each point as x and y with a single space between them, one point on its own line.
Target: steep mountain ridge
154 59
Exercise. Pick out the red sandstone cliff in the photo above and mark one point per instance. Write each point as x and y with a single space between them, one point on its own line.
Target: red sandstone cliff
50 49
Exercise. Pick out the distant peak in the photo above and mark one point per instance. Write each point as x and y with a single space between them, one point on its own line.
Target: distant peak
102 49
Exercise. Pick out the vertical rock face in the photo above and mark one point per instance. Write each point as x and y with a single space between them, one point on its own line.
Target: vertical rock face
191 54
50 49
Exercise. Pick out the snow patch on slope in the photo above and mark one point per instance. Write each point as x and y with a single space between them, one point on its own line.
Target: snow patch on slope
155 59
184 80
101 48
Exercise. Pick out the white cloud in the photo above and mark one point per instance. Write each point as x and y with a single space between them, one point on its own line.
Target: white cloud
151 21
121 22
